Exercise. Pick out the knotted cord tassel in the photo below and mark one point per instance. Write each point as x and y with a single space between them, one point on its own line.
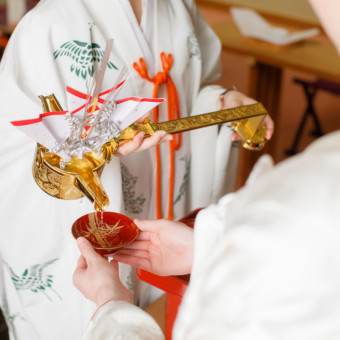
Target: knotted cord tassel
163 77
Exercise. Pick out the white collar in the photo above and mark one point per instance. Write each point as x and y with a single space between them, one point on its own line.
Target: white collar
146 31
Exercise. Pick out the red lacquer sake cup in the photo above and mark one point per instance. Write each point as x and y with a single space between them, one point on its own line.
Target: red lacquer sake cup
106 231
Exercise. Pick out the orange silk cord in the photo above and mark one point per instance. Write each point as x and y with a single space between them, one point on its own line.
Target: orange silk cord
163 77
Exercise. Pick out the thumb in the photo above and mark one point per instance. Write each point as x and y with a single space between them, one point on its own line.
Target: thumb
115 265
87 250
147 225
81 264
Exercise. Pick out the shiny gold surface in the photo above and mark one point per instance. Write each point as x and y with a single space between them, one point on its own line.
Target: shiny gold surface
50 103
53 180
80 177
246 121
224 116
101 231
252 132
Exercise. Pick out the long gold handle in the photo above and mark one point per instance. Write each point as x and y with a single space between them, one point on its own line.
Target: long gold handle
250 116
212 118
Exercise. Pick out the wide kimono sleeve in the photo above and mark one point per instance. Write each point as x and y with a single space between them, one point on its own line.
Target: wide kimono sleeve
214 143
27 70
122 320
266 258
16 149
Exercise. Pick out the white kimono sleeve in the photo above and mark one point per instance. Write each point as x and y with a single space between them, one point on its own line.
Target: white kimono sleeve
266 258
122 320
220 154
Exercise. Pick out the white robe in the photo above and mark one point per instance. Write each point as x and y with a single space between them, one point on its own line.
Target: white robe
37 252
266 260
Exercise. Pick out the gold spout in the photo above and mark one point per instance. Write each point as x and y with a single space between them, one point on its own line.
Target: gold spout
50 103
87 180
79 178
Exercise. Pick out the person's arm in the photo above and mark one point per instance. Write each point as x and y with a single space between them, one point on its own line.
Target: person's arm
98 280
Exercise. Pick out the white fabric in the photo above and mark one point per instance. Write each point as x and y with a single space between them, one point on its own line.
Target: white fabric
271 267
144 32
37 252
124 321
266 260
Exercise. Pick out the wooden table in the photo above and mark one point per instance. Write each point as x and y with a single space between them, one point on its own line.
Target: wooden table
298 12
315 56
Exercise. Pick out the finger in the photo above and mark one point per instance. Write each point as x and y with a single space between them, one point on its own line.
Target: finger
166 138
87 251
114 264
157 138
137 262
134 245
131 146
231 99
270 126
143 236
235 137
79 271
148 225
130 252
76 278
81 264
138 245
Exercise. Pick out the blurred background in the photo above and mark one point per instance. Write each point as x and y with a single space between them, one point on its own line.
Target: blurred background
271 73
292 81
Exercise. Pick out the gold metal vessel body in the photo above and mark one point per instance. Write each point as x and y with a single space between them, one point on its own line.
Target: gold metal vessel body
80 177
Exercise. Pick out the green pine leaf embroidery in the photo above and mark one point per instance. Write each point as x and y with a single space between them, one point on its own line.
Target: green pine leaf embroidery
83 56
185 179
193 46
133 204
130 283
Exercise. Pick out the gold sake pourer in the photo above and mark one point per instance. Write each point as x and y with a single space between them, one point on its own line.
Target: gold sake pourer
80 177
247 121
